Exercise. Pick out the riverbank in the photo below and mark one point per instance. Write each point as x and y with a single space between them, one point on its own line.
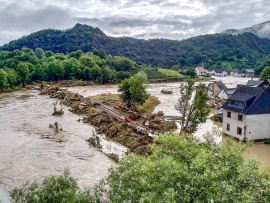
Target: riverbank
127 128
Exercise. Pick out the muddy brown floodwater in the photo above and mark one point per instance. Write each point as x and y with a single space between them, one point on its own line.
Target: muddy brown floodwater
26 155
168 102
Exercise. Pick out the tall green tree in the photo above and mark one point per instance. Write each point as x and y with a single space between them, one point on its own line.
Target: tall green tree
193 110
39 53
188 169
54 71
23 72
265 73
132 91
3 79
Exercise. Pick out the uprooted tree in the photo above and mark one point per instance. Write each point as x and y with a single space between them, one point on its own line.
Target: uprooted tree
133 92
193 109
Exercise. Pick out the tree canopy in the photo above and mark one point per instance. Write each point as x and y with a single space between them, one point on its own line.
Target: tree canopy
181 168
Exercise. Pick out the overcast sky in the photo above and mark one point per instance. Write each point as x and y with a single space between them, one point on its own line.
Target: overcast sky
171 19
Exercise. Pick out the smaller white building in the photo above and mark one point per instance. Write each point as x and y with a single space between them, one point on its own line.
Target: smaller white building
246 114
226 93
200 71
221 72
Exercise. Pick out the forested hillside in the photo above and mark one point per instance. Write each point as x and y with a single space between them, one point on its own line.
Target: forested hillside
215 51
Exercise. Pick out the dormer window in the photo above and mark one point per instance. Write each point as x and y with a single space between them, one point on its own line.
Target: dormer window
237 103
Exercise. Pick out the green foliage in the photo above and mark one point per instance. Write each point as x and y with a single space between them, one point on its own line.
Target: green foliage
175 68
191 72
265 73
184 168
154 74
52 189
171 73
141 76
193 111
54 71
23 72
133 91
44 84
3 79
149 105
39 53
235 51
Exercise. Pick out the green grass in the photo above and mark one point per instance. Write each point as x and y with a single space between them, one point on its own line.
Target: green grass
170 73
154 74
149 105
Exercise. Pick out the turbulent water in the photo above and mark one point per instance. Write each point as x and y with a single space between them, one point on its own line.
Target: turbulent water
168 102
25 155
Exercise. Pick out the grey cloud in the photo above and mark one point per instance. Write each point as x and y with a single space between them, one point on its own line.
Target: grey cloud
135 18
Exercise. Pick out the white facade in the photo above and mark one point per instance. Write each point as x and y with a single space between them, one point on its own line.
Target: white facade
200 71
223 74
253 127
223 95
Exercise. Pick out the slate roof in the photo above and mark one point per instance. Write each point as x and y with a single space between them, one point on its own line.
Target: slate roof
219 70
254 83
230 91
257 100
221 85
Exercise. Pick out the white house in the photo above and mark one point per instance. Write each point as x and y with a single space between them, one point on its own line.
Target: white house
215 88
226 93
200 71
246 114
210 72
221 72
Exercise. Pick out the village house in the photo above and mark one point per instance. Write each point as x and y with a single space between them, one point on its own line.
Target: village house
215 88
243 73
246 114
183 71
221 72
200 71
258 83
210 72
226 93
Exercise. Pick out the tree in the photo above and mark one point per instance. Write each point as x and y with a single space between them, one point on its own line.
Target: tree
133 91
11 76
61 188
142 76
191 72
3 79
188 169
39 53
193 110
175 67
265 73
23 72
54 71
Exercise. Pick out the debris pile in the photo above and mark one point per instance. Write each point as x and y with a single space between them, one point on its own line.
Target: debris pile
166 92
215 103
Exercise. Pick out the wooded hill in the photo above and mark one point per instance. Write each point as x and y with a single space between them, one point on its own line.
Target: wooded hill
215 51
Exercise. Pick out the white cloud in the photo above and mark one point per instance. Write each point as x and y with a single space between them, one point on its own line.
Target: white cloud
174 19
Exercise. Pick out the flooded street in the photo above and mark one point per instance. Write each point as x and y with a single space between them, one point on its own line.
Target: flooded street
24 121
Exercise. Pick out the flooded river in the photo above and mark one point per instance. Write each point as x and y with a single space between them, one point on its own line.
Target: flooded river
27 155
24 155
168 102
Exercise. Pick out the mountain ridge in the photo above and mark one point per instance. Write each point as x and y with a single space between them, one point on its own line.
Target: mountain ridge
236 51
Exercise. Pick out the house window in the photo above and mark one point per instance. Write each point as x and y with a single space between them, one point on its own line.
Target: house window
239 131
240 117
228 127
229 114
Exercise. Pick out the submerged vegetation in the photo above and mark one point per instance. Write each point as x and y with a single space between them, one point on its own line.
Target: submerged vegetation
181 168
